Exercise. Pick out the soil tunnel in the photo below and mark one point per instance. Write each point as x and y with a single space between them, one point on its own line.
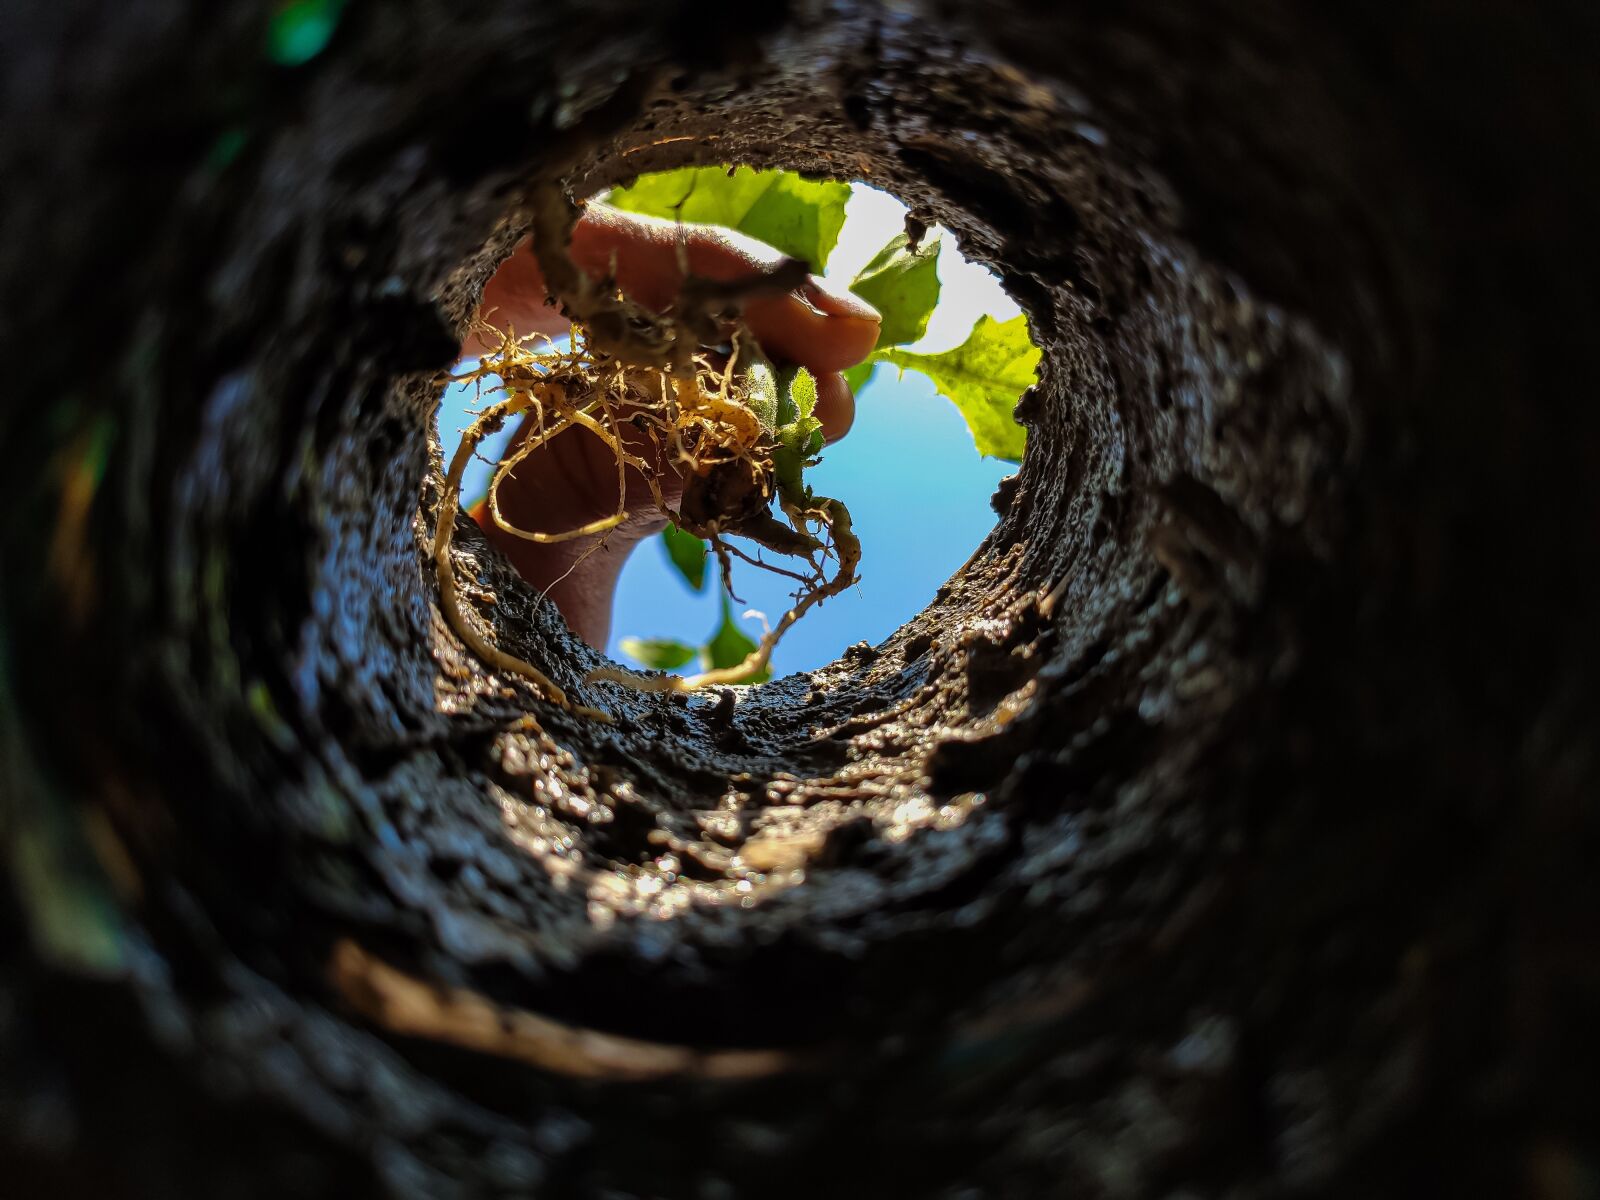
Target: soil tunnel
1220 826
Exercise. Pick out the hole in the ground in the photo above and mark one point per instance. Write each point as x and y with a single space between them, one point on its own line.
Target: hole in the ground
910 470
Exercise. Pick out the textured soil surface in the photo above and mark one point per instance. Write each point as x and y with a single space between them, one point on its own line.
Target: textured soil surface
1225 826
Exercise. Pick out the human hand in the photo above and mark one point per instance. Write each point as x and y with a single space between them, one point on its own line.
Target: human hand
572 480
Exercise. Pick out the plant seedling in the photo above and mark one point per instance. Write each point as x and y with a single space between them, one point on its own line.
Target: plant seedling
741 433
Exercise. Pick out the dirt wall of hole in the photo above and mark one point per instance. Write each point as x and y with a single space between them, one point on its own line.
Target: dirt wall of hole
1218 828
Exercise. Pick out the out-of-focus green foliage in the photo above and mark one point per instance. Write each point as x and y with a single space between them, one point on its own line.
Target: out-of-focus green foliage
301 29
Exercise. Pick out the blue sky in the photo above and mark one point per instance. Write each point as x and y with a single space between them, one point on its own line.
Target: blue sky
917 491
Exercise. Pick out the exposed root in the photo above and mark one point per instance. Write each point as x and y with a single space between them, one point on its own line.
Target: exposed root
848 550
490 420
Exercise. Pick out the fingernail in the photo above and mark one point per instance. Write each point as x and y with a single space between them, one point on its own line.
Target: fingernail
838 304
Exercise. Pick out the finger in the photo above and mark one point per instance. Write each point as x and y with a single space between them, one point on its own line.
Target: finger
815 327
514 299
836 407
639 253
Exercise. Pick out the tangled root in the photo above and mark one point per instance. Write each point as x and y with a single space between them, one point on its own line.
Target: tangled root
629 368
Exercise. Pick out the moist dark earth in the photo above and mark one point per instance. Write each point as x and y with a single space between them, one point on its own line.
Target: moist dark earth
1226 826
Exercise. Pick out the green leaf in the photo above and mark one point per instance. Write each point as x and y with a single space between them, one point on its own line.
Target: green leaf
761 382
858 375
687 553
708 195
801 217
798 434
903 285
797 395
798 216
985 376
729 647
660 654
